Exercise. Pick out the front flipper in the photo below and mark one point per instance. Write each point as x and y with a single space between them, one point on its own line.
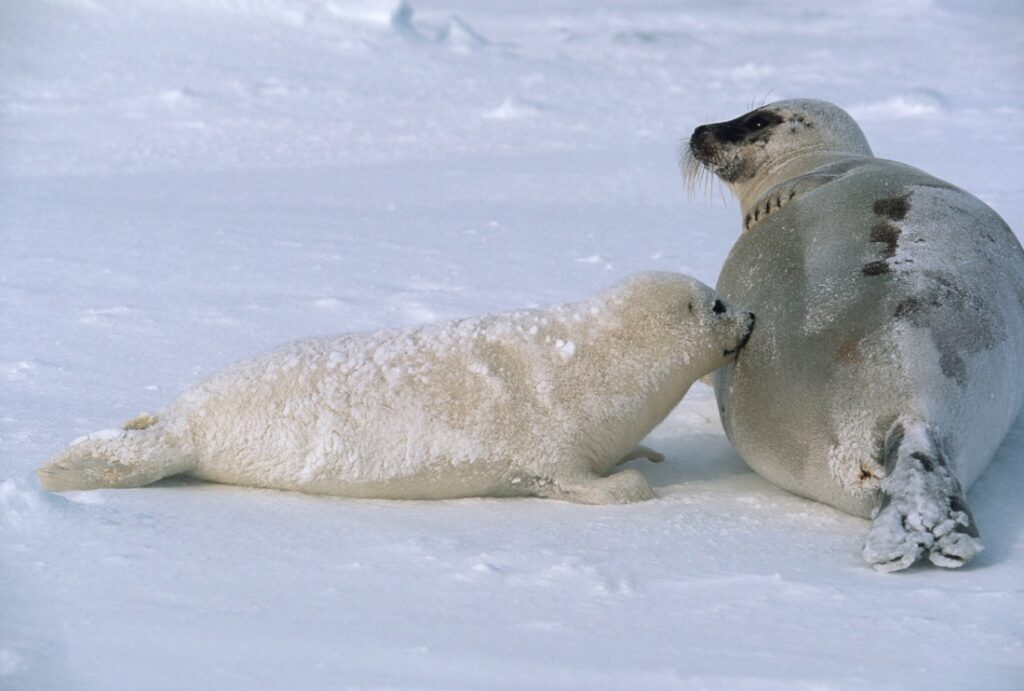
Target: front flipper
642 451
624 487
923 510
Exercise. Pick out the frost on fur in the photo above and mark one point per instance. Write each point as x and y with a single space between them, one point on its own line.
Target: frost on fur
141 421
853 462
114 458
533 402
923 510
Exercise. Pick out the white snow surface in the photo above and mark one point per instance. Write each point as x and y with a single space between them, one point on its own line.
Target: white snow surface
185 183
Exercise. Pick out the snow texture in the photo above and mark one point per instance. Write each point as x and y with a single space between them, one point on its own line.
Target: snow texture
184 183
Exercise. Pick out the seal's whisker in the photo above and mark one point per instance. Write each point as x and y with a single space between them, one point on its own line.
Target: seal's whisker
692 174
695 175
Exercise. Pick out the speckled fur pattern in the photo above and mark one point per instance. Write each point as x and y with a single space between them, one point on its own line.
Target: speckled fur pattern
890 305
529 403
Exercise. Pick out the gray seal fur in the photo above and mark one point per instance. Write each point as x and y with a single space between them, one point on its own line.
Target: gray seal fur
888 362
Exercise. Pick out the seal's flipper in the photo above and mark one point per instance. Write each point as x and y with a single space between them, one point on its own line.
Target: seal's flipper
923 509
115 458
624 487
642 451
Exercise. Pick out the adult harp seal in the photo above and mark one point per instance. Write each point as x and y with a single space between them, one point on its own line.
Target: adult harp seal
888 362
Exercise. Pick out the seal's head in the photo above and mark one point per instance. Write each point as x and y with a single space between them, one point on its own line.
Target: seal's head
682 316
774 143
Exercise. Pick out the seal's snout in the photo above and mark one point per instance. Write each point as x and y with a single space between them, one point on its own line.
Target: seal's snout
703 144
748 320
751 320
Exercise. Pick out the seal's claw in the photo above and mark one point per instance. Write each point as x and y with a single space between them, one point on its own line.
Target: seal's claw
897 540
923 508
954 550
890 545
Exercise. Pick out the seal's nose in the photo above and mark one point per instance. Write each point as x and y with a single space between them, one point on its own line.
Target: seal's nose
702 142
751 319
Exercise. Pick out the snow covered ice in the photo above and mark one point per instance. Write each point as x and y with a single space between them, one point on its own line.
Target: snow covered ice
184 184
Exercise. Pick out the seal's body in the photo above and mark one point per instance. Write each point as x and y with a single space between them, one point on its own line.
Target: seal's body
538 403
888 362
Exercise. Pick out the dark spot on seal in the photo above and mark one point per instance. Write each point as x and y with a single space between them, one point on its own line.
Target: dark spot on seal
849 351
922 313
957 504
718 307
892 445
970 529
959 321
893 208
888 234
927 464
689 306
909 308
876 268
939 459
953 366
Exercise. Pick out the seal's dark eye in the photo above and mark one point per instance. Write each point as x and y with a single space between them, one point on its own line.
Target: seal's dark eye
756 122
719 307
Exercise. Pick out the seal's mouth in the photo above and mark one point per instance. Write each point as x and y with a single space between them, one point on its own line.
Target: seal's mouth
750 331
751 320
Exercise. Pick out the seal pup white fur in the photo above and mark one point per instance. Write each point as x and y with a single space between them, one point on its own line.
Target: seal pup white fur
530 403
888 362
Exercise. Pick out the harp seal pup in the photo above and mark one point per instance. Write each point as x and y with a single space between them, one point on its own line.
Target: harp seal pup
530 403
888 362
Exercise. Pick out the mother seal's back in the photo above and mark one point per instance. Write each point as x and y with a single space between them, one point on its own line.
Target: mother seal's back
888 362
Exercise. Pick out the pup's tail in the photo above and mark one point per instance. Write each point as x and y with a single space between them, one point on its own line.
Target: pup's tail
136 455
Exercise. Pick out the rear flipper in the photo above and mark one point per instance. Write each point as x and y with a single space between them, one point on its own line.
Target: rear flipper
642 451
115 458
923 510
